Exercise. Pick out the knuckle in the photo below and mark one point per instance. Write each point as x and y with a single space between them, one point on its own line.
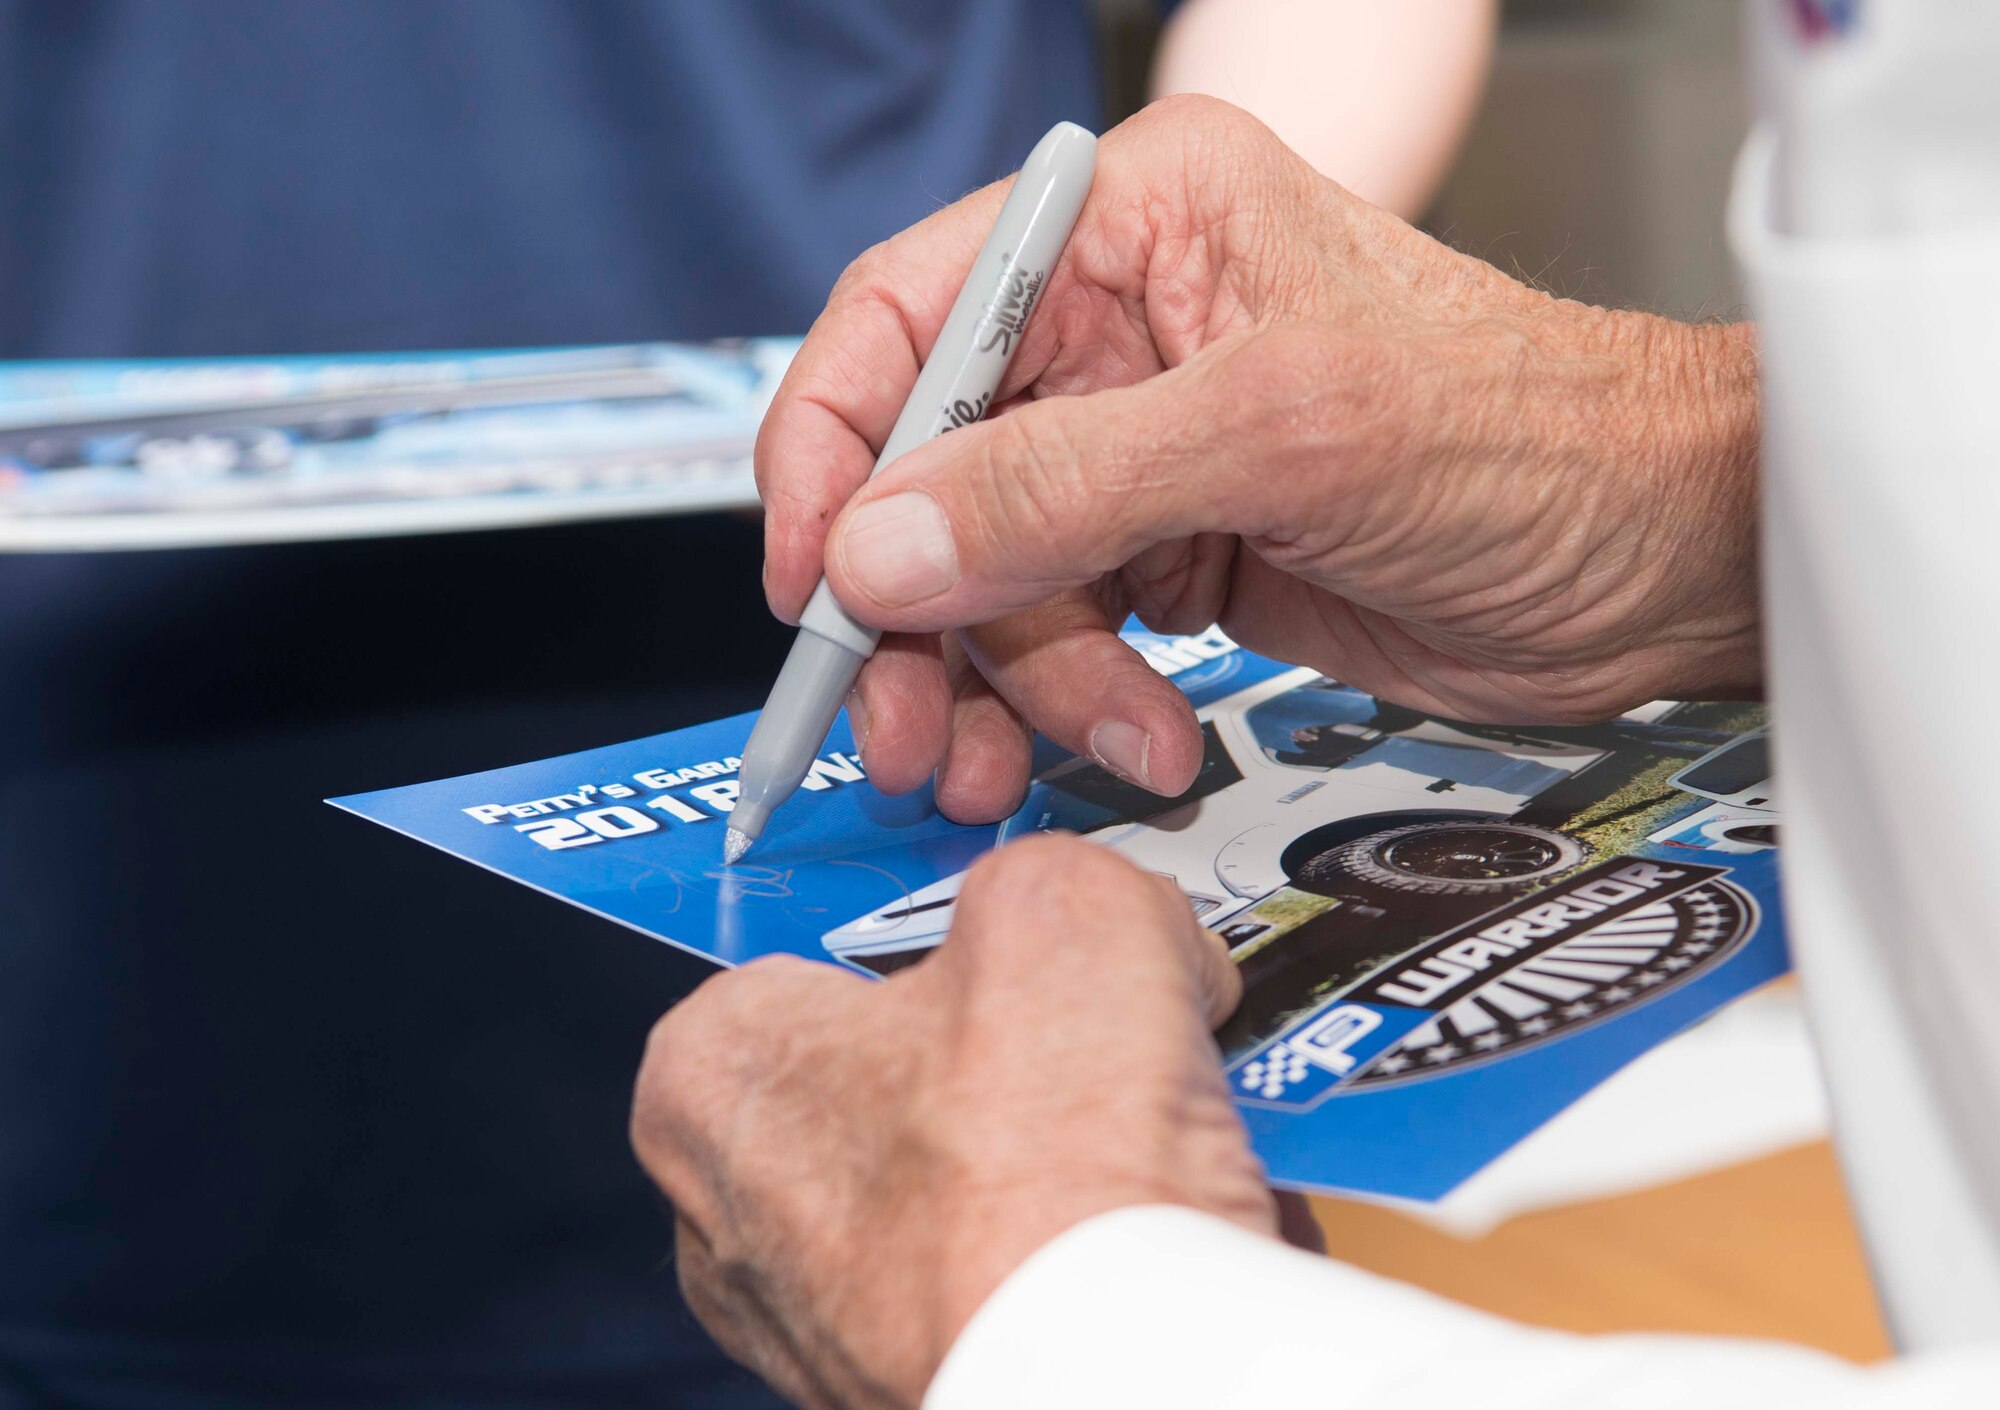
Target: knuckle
1063 869
767 460
706 1285
1000 871
1033 490
778 983
1003 877
865 271
1047 513
1310 397
1184 592
680 1060
1289 365
672 1044
708 1020
660 1042
1216 144
698 1067
1203 115
780 968
698 1282
986 764
656 1118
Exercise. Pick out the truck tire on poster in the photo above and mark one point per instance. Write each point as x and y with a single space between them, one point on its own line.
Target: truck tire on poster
1453 858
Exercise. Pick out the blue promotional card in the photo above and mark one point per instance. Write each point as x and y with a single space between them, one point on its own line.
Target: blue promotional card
179 453
1447 932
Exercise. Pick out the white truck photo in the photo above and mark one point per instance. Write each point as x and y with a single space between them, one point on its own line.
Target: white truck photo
1316 798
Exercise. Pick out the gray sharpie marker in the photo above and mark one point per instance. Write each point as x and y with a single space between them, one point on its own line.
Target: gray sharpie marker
956 384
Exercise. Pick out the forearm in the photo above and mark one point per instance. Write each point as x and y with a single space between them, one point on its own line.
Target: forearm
1168 1308
1375 95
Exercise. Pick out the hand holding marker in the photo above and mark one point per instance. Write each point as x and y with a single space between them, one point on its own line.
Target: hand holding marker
962 374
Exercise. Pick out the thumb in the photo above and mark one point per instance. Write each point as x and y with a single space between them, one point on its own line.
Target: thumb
987 520
1068 921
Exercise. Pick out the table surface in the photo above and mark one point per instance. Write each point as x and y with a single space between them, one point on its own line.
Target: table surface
1763 1249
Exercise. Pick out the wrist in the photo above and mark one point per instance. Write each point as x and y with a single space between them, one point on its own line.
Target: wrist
1665 416
1709 444
992 1232
994 1224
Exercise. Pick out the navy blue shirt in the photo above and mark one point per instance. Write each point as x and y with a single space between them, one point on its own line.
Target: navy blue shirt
219 176
292 1111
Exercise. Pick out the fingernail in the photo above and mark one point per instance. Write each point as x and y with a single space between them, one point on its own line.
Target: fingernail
1122 748
899 550
857 721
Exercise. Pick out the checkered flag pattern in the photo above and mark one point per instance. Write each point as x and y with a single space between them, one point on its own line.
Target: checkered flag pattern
1272 1072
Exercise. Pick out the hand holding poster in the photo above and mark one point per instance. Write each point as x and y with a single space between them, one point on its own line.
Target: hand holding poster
1447 931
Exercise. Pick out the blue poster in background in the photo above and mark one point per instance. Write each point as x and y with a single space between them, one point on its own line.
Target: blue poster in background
1447 932
183 452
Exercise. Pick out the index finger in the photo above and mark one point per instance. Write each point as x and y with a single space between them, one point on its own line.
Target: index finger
848 383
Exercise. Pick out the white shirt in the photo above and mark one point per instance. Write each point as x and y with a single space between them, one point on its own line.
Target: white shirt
1867 216
1162 1308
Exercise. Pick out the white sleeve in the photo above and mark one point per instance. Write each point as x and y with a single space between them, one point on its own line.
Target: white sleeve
1165 1308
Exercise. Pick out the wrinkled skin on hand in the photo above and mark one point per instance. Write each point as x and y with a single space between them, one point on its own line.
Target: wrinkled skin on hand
1249 398
855 1166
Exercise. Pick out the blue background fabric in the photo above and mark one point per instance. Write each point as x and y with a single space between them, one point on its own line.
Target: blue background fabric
264 176
291 1112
